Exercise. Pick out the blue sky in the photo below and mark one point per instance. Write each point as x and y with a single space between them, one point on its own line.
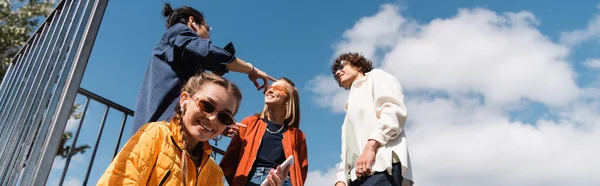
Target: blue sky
298 40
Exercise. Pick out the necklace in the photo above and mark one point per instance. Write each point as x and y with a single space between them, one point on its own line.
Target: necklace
275 131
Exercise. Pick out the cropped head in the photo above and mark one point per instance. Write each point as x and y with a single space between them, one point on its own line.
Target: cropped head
206 107
347 67
188 16
283 95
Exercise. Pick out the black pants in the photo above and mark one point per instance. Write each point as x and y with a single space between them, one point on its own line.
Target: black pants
382 178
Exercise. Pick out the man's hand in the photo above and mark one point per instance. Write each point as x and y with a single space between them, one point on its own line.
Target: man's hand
366 159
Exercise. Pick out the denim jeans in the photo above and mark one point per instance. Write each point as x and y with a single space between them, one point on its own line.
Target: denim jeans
259 174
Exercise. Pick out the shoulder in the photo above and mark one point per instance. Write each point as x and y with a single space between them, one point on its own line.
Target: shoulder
179 30
382 78
251 120
379 73
155 130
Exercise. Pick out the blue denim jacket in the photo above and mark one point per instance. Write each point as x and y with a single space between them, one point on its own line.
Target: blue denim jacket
180 54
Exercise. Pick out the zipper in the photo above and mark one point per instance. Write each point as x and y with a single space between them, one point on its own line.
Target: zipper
197 172
164 179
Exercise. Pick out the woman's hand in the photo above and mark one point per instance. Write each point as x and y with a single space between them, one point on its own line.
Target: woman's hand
256 74
275 178
233 130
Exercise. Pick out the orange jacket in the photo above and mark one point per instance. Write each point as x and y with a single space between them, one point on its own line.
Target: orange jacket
153 157
243 149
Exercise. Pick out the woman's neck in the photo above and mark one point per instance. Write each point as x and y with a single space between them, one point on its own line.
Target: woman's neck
189 141
276 115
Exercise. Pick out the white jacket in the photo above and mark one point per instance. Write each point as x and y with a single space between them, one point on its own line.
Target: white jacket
375 110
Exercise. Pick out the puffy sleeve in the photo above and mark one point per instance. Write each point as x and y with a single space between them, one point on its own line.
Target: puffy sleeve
389 107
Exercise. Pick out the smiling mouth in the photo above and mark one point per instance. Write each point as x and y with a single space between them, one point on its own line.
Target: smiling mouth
271 94
205 127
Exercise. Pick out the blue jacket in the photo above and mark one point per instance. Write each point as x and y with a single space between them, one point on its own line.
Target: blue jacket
179 55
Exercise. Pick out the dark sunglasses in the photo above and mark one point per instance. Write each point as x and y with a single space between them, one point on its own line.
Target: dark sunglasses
341 65
208 108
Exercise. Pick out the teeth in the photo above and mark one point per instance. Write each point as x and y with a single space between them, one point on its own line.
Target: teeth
206 128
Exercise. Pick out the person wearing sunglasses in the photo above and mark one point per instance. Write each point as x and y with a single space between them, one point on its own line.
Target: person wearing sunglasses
256 151
374 146
184 50
178 152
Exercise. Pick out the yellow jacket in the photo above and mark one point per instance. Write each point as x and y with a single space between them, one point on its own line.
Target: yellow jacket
153 157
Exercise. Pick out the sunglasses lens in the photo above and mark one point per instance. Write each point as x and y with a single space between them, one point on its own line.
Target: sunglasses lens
225 119
206 106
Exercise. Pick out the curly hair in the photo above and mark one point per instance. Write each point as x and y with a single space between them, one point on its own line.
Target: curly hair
355 60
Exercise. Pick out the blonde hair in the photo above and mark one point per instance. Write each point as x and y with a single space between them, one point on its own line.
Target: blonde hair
292 107
193 85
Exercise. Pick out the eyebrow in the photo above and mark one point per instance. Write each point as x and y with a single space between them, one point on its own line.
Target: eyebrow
215 103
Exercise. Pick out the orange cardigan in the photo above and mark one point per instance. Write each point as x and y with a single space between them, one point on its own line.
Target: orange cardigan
243 149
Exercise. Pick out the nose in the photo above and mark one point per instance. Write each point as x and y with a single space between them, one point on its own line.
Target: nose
337 73
212 117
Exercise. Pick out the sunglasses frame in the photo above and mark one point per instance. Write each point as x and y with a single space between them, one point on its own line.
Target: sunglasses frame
197 102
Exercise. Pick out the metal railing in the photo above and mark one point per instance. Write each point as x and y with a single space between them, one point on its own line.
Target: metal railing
39 87
39 90
106 105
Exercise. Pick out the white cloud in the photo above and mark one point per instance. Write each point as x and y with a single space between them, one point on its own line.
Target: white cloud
460 139
72 125
376 32
328 93
318 178
72 182
59 163
592 63
577 36
458 143
503 57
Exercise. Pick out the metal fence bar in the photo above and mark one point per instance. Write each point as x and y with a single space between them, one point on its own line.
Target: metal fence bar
3 86
74 143
105 101
11 96
39 87
58 56
120 135
89 168
72 82
10 73
51 90
33 86
55 38
15 100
